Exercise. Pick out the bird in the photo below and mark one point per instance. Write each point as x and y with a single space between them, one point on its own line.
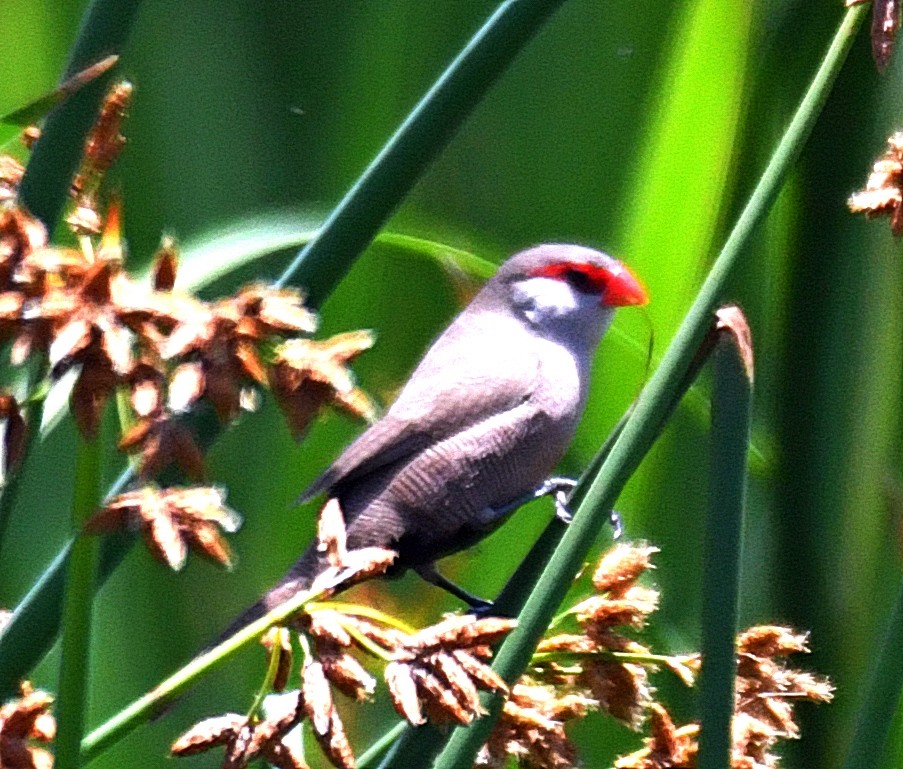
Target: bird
481 423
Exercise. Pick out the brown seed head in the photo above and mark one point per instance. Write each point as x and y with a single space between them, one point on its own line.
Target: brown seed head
308 374
621 566
882 195
11 173
23 721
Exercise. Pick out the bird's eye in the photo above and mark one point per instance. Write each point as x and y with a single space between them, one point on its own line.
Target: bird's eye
580 281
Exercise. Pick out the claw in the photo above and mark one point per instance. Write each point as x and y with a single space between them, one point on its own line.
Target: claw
617 526
562 513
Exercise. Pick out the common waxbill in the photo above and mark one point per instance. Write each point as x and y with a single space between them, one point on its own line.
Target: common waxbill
483 420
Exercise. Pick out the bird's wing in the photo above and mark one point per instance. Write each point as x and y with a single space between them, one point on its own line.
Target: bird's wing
456 385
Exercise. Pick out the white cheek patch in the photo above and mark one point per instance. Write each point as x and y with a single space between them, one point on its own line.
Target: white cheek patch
558 311
544 299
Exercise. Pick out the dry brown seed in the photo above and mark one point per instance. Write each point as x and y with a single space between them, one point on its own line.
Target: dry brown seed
567 642
439 699
388 637
484 675
165 541
208 733
607 612
459 681
166 265
335 743
205 537
317 696
326 625
402 686
772 641
622 689
347 674
621 566
463 631
186 385
331 535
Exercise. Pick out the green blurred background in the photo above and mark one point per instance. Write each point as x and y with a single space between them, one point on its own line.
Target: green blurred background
638 128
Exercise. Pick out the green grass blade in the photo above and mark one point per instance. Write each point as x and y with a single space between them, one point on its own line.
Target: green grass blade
81 574
640 430
731 408
45 186
416 143
881 697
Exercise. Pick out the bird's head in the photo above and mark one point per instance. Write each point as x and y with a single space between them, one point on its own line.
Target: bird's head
565 291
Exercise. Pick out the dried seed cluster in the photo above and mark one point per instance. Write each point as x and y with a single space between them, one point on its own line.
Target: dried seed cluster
574 673
80 310
436 674
766 691
438 670
247 740
172 521
883 193
23 722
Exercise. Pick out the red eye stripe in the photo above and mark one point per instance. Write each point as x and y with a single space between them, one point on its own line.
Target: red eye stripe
616 286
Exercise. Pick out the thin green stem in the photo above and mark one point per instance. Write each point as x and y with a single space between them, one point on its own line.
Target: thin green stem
358 610
419 139
640 430
372 754
145 706
731 407
266 686
77 607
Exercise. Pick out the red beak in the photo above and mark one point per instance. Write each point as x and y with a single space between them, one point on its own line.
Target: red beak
623 289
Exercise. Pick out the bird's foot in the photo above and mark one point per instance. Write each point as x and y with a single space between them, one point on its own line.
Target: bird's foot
429 573
617 527
560 489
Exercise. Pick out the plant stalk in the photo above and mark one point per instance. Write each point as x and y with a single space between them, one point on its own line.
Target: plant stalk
81 575
731 408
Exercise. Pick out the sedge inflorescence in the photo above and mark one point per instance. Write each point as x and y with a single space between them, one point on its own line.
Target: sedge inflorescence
76 313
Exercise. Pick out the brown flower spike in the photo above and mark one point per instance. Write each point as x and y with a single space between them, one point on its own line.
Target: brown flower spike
247 741
441 669
23 721
172 520
885 25
308 374
882 195
766 692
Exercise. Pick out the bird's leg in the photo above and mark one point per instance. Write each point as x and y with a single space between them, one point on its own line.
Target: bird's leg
560 488
429 573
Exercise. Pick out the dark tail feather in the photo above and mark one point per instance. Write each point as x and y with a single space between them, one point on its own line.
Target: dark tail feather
299 578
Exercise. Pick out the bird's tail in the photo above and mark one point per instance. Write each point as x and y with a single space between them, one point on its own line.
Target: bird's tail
299 578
